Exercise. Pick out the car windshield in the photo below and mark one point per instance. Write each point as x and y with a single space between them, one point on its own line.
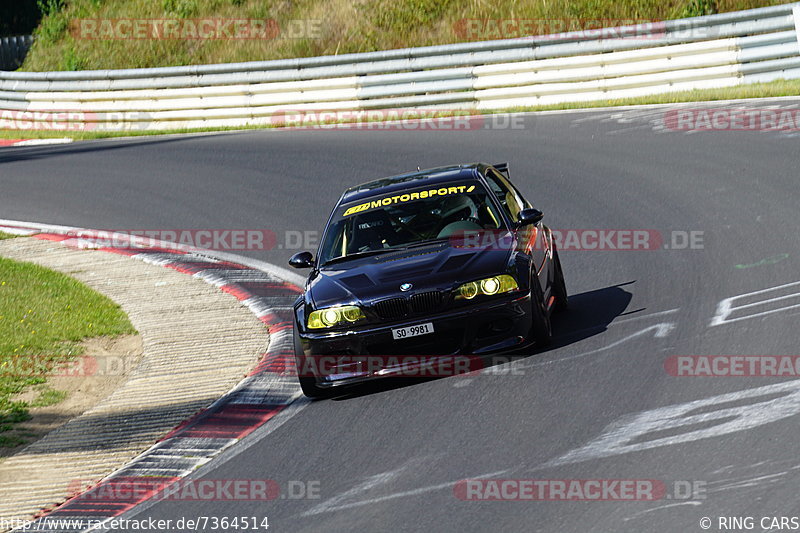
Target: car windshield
407 218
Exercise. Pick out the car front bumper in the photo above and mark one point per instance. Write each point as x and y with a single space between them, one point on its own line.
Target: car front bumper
500 324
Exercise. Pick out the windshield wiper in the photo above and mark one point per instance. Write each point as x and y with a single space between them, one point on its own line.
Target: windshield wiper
424 243
365 253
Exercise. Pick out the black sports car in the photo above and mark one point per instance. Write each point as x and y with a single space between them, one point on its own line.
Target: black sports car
438 263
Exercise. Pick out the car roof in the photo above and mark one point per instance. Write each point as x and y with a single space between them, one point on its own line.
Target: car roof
418 178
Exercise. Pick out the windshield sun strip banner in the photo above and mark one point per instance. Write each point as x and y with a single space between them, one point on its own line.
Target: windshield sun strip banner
409 197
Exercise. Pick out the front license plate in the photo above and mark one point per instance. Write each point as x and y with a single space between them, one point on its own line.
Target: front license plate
412 331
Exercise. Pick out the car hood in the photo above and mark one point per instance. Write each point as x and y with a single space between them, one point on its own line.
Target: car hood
439 266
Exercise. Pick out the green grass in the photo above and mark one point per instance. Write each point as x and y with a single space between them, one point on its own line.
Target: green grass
755 90
344 26
47 396
4 236
43 317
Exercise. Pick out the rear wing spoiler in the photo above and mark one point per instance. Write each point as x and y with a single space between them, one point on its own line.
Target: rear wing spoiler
503 169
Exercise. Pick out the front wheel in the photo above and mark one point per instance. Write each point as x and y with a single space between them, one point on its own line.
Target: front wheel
310 388
559 286
308 383
541 329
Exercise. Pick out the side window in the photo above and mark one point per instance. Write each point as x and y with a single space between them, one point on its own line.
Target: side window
508 196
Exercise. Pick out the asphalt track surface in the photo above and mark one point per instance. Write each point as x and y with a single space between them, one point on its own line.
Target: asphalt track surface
386 459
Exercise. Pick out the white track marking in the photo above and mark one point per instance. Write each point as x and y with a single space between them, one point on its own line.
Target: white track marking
660 330
618 438
43 142
17 231
726 307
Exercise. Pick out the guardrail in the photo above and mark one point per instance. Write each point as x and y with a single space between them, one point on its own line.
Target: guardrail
702 52
13 51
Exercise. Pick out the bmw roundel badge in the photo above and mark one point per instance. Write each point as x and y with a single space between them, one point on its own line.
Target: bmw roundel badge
406 287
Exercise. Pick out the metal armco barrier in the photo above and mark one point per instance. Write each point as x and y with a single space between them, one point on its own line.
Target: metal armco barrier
702 52
13 51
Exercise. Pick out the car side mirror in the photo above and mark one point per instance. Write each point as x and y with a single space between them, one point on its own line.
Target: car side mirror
530 216
302 260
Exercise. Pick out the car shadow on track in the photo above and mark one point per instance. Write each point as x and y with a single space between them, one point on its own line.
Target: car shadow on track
589 314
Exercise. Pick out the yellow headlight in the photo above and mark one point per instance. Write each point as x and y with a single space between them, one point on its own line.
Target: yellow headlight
488 287
469 290
507 283
332 316
351 314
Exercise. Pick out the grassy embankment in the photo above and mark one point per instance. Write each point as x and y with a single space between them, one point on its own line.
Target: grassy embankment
44 315
344 26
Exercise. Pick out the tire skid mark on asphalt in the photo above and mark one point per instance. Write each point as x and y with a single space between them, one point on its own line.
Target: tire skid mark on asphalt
746 481
339 503
653 118
659 508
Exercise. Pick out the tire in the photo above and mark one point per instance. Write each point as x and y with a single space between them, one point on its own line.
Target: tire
541 330
308 384
311 390
559 286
